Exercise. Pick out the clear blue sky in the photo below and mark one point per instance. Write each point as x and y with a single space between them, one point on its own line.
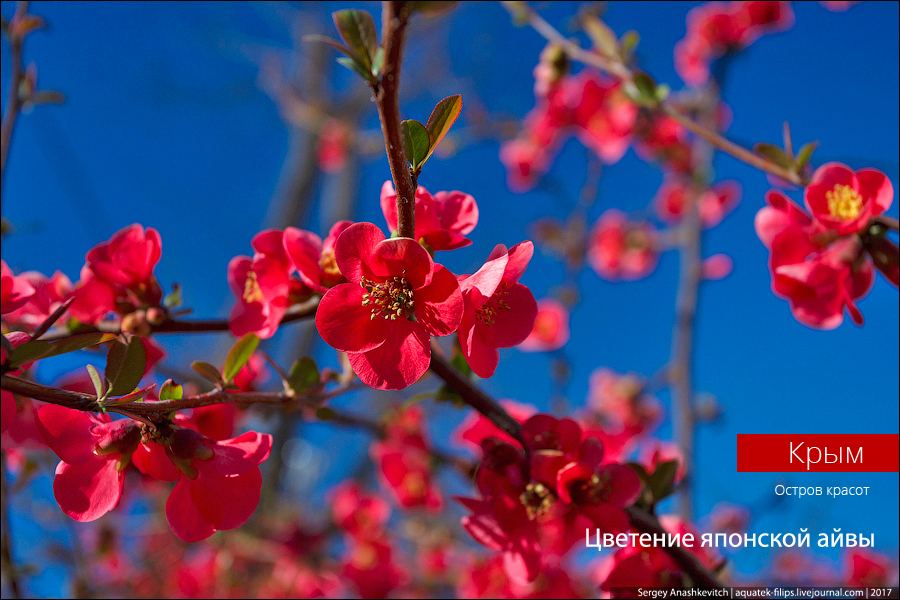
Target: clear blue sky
164 125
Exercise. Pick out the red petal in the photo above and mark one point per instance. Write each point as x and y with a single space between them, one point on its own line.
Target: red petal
152 460
68 432
512 326
483 283
226 502
439 305
269 243
345 324
241 454
402 257
389 205
480 349
875 185
89 490
183 517
304 248
353 250
519 256
624 484
458 211
399 362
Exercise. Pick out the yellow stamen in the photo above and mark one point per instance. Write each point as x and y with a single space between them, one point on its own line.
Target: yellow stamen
844 202
390 299
252 291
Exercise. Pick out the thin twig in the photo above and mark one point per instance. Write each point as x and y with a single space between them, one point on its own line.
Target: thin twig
889 222
395 16
699 575
14 100
622 72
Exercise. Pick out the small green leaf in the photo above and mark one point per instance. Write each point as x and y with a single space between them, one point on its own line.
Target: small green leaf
601 35
173 298
239 354
330 41
459 361
134 396
629 42
662 482
47 97
171 391
207 371
806 153
645 85
442 118
774 154
125 364
357 29
378 62
415 142
434 8
304 375
95 379
323 413
662 92
354 66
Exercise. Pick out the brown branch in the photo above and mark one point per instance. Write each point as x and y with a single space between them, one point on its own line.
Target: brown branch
300 312
14 101
158 410
475 396
615 67
889 222
700 576
395 16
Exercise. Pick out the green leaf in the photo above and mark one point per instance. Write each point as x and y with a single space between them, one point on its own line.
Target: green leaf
304 375
459 361
442 118
415 142
629 42
645 85
207 371
171 391
774 154
434 8
134 396
601 35
173 298
323 413
357 29
37 349
354 66
239 354
125 364
28 352
331 42
96 380
378 62
662 482
806 153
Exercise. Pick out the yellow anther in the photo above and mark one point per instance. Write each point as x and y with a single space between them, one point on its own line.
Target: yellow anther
844 202
252 291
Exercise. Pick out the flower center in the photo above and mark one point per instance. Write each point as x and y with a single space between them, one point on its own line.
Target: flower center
390 299
495 303
252 291
537 499
844 202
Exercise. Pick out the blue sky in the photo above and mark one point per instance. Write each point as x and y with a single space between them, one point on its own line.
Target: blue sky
165 125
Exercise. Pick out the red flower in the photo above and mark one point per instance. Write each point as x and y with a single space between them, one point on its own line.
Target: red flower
714 203
620 249
442 220
369 318
845 201
334 141
128 258
48 296
499 312
819 279
219 482
261 285
476 428
93 454
360 514
313 258
620 400
551 327
16 291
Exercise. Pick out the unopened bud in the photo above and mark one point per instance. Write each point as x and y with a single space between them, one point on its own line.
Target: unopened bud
136 324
